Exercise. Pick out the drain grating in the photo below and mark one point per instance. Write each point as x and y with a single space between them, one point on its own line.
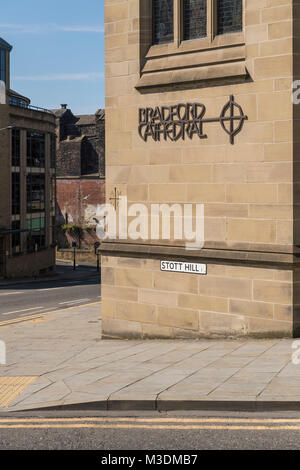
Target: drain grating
11 387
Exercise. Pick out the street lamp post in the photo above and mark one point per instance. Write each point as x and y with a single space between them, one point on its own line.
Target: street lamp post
74 246
97 245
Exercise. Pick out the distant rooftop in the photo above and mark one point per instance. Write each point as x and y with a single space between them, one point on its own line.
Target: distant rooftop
58 112
101 113
83 119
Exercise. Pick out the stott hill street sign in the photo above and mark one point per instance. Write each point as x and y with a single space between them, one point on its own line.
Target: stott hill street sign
186 120
183 267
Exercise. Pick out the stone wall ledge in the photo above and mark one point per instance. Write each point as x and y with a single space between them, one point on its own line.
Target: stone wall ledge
224 71
255 258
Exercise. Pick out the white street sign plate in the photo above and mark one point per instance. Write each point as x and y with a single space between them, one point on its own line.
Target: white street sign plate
183 267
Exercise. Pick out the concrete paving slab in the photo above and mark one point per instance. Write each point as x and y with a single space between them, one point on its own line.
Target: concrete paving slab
53 392
76 369
85 378
242 389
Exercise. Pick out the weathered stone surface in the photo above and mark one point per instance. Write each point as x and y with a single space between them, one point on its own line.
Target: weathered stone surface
249 189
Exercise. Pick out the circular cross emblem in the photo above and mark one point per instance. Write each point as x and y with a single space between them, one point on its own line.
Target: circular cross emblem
232 119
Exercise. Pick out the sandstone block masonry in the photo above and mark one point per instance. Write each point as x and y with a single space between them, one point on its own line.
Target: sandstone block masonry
141 301
249 187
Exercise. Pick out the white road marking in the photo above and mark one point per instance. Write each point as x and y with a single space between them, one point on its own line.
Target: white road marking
24 310
73 301
52 288
12 293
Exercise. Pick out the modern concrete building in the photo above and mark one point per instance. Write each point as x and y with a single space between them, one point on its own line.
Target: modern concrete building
199 111
27 181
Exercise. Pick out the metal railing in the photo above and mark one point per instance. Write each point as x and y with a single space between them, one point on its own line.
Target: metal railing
29 106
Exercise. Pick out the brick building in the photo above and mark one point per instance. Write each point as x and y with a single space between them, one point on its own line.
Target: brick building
80 166
199 110
27 181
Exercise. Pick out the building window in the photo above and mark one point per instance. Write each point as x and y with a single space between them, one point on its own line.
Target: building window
35 193
35 150
14 101
16 194
53 229
15 146
2 65
52 151
36 239
163 21
230 16
53 194
15 237
194 19
189 29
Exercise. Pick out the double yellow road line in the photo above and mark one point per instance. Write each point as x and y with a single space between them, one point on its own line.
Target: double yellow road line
230 424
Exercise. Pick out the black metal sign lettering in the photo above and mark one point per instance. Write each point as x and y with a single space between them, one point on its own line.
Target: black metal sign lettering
183 121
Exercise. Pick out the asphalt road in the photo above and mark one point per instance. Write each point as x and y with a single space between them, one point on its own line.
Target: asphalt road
155 432
30 299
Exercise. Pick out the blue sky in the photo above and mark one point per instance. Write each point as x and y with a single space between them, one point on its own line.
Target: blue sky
58 51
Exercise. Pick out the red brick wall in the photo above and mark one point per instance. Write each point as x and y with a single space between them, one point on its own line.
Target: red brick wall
79 199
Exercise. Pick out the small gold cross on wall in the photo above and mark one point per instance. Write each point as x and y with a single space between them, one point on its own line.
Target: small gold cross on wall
116 198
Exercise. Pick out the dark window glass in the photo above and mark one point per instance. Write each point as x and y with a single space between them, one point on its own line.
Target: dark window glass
16 193
16 238
36 239
53 228
230 16
2 65
14 101
35 193
53 194
195 19
163 21
36 224
35 149
15 146
52 151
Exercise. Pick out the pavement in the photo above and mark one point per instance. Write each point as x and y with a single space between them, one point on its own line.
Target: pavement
57 361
